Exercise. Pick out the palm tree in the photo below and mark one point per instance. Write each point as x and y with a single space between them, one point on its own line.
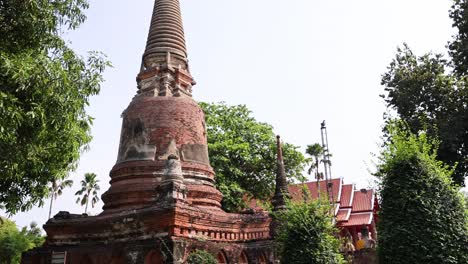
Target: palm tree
89 186
56 188
316 151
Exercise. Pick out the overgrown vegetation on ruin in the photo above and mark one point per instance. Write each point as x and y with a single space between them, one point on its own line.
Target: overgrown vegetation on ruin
200 256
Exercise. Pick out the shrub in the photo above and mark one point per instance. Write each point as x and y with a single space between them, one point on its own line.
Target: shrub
422 215
201 257
306 234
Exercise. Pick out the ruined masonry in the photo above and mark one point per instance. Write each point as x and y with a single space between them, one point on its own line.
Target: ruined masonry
162 203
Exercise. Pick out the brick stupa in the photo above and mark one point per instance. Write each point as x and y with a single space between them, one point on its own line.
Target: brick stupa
162 203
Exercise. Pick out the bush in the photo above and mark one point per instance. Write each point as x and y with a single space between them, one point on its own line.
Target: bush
201 257
13 242
422 215
306 234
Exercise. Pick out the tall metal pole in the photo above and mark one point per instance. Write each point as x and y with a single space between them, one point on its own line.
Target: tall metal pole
323 131
326 161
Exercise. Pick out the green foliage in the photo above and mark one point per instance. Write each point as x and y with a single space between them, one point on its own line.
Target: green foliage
201 257
14 242
34 234
44 89
458 47
306 234
35 25
243 154
55 190
465 196
429 98
422 215
316 151
89 191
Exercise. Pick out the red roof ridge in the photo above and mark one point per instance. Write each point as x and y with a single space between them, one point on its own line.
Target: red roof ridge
352 206
314 181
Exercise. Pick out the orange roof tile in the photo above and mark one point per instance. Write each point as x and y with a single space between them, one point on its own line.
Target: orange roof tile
296 189
347 193
363 201
343 215
358 219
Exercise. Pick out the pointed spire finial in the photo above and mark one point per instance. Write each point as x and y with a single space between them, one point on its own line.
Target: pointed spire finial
281 190
166 40
164 69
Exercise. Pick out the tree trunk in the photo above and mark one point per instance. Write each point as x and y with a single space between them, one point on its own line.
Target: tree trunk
87 201
317 176
50 207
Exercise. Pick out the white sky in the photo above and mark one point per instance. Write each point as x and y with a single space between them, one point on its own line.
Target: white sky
293 63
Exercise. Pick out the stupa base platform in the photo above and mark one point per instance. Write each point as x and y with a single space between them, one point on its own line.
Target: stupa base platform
157 234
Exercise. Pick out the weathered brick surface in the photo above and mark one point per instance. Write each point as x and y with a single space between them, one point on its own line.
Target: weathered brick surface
153 128
162 203
101 238
137 225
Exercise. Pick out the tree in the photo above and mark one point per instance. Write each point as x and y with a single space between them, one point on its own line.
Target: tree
55 190
201 257
44 89
422 215
34 234
458 47
243 154
14 242
89 191
430 93
306 234
316 151
424 93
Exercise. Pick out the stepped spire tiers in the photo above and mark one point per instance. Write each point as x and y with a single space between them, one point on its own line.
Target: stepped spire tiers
162 203
162 120
166 34
165 70
281 191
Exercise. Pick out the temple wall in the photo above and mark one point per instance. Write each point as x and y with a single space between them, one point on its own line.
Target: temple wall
160 251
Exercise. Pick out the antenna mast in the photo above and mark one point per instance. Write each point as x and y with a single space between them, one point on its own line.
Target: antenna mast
326 161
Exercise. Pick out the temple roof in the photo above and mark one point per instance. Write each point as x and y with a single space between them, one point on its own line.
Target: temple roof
363 201
343 214
352 207
296 189
357 219
347 195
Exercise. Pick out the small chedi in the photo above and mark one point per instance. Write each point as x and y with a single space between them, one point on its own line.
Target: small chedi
162 203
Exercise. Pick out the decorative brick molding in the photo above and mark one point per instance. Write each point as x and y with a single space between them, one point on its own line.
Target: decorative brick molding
162 202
